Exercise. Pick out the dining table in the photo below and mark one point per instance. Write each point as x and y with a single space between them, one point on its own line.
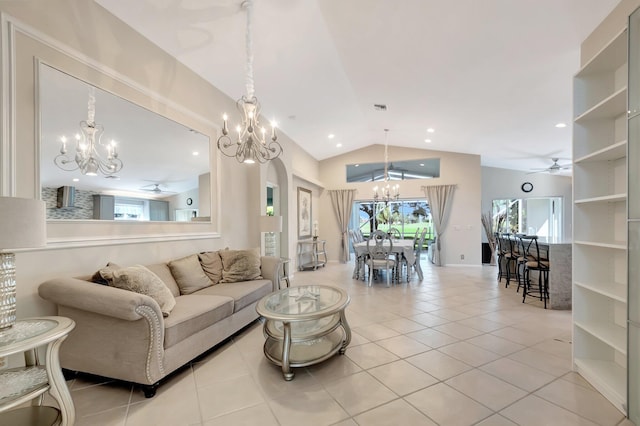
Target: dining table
400 248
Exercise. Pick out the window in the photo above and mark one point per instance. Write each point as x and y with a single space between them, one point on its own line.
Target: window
531 216
130 209
406 216
399 170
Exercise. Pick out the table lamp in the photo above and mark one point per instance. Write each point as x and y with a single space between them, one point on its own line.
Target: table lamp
22 225
270 225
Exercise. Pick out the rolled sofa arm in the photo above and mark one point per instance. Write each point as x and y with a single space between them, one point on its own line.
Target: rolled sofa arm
118 333
101 299
270 267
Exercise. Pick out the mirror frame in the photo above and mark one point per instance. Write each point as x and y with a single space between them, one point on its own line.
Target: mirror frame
78 233
48 77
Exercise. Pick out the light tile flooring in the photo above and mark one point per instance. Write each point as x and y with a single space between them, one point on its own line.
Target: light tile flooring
455 349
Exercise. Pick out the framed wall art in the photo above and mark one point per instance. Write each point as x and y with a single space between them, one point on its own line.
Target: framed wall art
304 213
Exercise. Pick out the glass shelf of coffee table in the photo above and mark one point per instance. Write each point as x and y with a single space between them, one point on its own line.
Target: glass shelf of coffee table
304 325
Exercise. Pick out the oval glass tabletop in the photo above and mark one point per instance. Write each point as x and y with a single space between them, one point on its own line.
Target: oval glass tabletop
303 302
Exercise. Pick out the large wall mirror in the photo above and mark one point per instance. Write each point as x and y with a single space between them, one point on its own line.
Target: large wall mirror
166 170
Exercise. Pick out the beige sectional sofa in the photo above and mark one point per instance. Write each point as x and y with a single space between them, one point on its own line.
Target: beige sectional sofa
123 334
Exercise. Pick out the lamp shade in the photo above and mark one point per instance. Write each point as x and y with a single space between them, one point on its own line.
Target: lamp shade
270 223
22 223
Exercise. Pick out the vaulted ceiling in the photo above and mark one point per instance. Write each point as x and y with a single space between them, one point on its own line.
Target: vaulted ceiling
490 77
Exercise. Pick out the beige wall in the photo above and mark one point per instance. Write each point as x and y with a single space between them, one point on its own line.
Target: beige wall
464 230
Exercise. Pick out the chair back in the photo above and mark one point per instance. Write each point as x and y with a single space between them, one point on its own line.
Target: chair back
379 245
540 258
394 233
416 237
359 235
420 243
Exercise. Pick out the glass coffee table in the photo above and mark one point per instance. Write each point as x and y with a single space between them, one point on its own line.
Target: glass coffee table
304 325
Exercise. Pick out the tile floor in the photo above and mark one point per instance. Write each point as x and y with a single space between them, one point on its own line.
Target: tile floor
455 349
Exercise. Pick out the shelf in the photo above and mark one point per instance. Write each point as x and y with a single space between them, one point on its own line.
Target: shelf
22 384
616 245
611 107
612 152
615 291
611 334
607 377
613 198
609 58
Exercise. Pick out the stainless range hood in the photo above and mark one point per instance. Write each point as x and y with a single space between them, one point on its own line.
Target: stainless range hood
66 197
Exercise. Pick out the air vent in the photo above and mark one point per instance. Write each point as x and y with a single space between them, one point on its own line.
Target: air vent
380 107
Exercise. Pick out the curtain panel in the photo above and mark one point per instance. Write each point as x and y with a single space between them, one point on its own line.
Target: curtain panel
440 198
342 201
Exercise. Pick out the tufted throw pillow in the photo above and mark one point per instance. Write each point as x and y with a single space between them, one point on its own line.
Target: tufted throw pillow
240 265
99 279
141 280
189 274
211 265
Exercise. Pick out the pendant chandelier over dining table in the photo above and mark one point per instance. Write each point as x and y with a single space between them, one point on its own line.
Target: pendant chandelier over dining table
387 192
251 144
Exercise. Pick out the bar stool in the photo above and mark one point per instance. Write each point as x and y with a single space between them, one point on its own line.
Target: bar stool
542 266
500 252
524 257
511 257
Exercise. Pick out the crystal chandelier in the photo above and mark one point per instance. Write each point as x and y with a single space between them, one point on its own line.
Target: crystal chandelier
87 158
251 144
387 192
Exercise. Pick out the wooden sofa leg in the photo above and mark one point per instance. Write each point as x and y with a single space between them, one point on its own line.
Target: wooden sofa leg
150 390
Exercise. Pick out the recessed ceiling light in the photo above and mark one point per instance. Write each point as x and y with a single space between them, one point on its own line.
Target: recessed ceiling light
427 140
339 145
430 130
357 165
421 164
76 180
195 153
331 136
561 125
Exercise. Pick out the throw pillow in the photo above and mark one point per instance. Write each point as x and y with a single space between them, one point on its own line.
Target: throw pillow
189 274
240 265
139 279
211 265
99 279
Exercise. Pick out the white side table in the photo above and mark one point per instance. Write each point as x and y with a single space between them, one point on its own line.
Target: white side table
23 384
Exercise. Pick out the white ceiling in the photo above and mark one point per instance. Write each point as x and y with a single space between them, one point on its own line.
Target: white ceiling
492 77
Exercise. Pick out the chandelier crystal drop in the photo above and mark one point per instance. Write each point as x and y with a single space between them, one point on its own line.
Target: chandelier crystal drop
87 158
388 192
251 143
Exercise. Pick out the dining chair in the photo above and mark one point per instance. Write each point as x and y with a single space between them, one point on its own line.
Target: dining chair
412 260
380 250
359 255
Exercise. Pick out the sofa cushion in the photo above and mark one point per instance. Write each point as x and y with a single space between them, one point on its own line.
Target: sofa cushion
189 274
194 313
99 279
243 293
240 265
211 265
164 273
141 280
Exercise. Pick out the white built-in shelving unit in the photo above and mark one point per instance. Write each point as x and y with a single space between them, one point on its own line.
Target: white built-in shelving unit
600 221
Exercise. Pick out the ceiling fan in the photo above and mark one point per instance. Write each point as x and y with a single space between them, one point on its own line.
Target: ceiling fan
156 189
554 168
